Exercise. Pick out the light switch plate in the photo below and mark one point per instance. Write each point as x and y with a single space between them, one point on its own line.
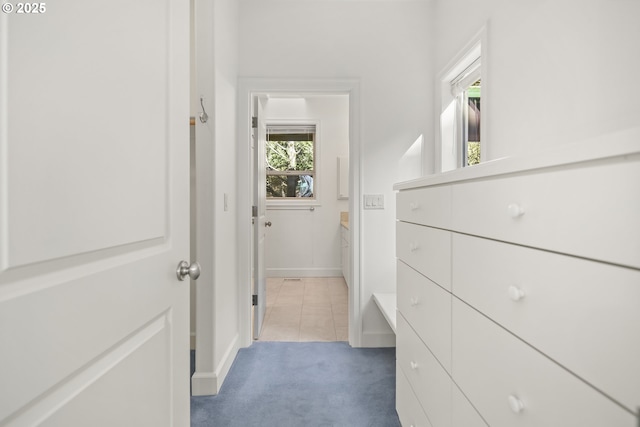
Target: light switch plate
373 201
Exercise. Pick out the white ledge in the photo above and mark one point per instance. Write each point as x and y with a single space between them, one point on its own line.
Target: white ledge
387 304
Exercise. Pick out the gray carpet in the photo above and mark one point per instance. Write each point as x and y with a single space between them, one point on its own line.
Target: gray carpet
303 384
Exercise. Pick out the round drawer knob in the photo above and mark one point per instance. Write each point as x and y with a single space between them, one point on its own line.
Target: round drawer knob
413 247
413 206
413 365
515 293
515 404
414 302
515 210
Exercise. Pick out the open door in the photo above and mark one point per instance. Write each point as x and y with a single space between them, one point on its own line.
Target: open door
259 135
94 200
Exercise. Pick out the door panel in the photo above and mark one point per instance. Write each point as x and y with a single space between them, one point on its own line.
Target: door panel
145 353
78 113
152 379
94 214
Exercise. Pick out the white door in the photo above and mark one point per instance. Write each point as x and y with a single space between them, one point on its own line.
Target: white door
260 219
94 199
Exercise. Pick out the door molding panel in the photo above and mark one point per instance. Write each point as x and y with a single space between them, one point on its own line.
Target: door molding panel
155 333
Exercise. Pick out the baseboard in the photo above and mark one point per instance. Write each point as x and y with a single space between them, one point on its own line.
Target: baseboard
378 339
227 359
204 384
209 383
304 272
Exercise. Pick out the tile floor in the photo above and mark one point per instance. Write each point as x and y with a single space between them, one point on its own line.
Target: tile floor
306 309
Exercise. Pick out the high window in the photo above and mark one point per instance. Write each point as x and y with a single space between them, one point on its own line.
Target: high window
466 88
291 161
460 114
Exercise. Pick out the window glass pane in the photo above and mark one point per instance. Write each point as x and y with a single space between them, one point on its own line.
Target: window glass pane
290 161
472 143
289 186
290 155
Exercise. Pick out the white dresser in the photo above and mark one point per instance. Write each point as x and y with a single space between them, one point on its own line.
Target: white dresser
519 292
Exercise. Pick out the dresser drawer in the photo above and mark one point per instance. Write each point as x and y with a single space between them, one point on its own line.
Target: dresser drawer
407 405
426 206
583 314
429 380
427 308
463 413
426 249
589 211
498 372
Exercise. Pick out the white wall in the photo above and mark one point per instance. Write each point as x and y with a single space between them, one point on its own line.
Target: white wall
217 323
387 46
225 251
302 242
557 72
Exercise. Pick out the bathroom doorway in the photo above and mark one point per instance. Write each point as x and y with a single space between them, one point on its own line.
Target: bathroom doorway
295 257
306 136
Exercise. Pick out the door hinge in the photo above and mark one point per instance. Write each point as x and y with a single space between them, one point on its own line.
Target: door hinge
254 299
254 211
254 122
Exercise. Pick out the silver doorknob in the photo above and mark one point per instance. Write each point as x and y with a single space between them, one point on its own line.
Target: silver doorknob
267 224
184 270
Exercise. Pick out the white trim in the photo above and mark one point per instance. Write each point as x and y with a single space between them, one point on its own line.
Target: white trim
284 206
209 383
379 339
467 77
204 384
247 87
474 49
387 303
463 60
222 369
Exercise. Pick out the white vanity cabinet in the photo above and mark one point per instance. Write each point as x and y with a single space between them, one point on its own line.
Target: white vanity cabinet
519 291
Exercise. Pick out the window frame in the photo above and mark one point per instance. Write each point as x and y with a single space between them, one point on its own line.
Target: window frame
298 202
460 90
461 72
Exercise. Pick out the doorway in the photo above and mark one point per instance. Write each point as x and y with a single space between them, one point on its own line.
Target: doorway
291 90
306 293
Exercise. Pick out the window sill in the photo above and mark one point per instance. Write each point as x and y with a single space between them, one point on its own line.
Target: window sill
292 204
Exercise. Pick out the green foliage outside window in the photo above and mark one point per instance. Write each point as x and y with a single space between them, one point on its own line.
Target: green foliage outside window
285 157
290 155
473 117
473 153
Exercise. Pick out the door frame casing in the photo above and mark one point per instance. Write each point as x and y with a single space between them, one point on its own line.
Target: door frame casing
247 88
